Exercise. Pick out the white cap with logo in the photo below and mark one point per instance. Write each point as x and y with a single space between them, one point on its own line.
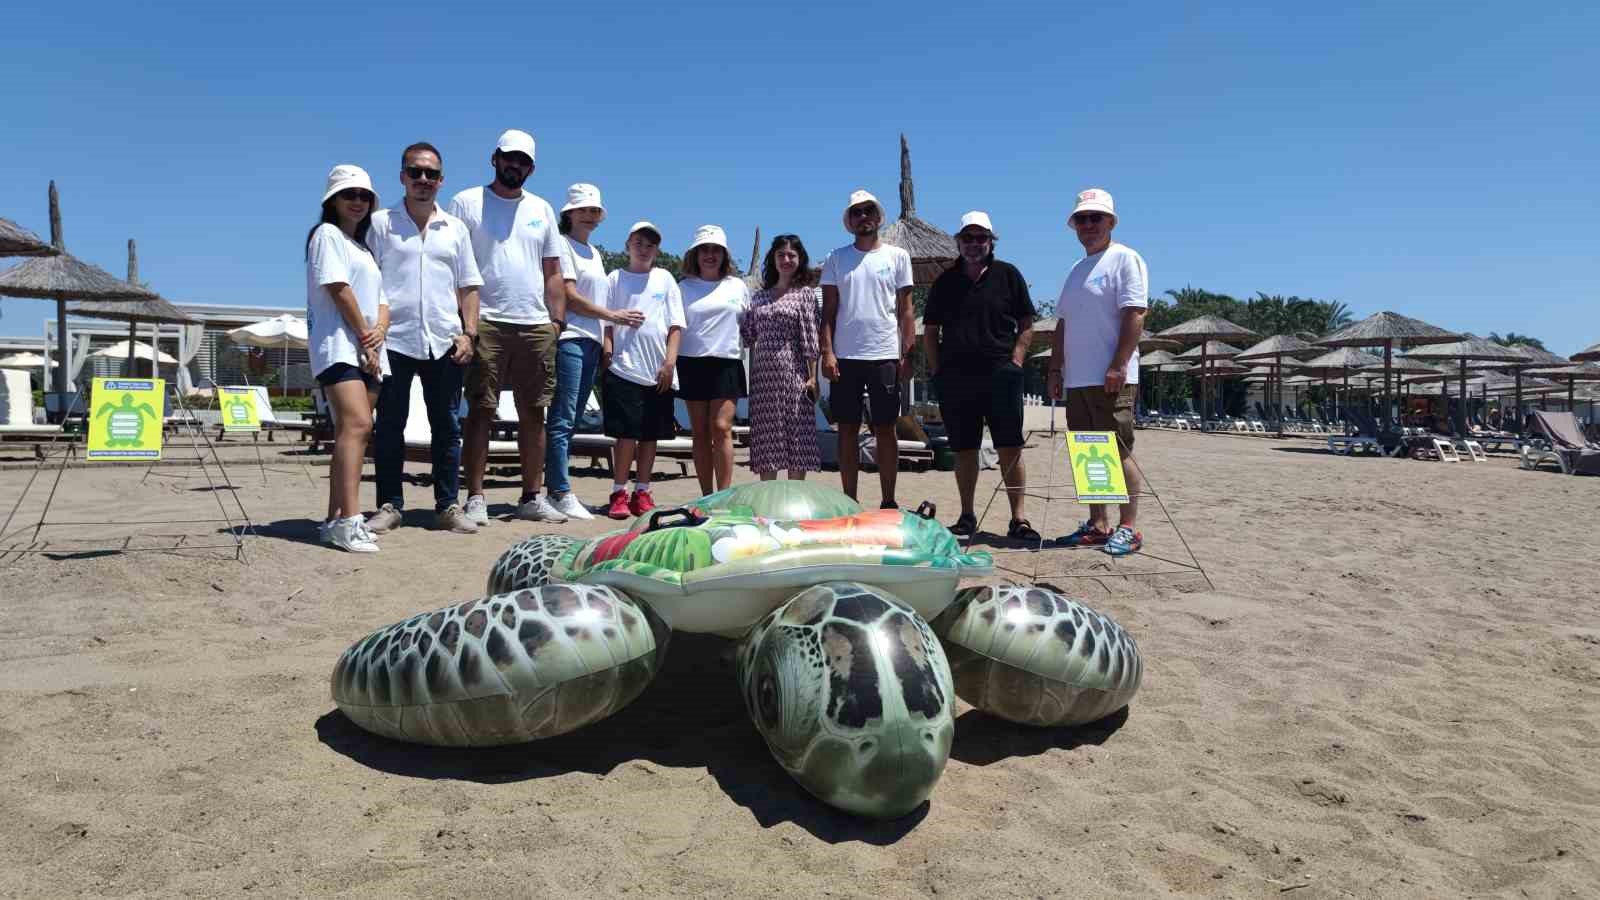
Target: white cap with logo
856 199
580 196
1094 200
345 176
976 218
709 234
514 141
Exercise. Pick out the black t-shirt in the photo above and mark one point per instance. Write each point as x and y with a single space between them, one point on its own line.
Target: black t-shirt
978 322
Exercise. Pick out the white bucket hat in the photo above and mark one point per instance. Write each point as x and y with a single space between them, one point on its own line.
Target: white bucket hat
345 176
583 195
709 234
645 226
514 141
978 218
1094 200
856 199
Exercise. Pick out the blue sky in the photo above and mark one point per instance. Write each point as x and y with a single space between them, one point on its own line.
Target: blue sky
1439 160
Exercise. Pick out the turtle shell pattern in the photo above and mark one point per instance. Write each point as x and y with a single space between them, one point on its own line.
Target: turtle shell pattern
1032 656
503 669
867 724
529 563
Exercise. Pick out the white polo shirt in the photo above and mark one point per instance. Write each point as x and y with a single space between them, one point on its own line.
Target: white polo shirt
1096 291
511 240
422 271
866 326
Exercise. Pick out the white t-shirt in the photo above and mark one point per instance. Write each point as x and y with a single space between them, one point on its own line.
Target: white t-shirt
511 240
1097 290
591 282
866 326
422 270
637 354
713 310
334 258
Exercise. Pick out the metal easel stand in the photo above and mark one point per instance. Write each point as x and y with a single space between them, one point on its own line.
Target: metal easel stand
1029 561
20 542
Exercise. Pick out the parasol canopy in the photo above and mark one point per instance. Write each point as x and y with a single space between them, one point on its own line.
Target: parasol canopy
1388 328
1210 349
121 349
1159 359
1204 329
1461 352
18 241
1588 354
285 331
1149 342
23 361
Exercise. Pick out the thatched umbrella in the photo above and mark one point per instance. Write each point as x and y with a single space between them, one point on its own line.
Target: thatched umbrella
62 277
1149 343
932 250
1208 353
1472 348
1571 374
18 241
1386 330
135 311
1532 358
1275 348
1343 362
1207 328
1589 354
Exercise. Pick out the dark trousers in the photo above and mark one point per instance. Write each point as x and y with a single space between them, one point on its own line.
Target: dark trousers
441 391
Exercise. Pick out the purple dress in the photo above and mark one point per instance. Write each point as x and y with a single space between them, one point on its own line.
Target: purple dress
782 331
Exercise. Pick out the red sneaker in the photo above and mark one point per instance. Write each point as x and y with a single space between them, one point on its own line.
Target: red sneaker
619 505
641 503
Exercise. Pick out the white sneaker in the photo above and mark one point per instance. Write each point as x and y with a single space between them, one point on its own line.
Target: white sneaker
477 510
351 534
539 510
324 528
571 507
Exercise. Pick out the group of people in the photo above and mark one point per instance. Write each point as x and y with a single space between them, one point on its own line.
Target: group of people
497 291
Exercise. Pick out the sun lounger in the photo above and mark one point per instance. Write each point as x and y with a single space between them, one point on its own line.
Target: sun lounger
16 413
1564 444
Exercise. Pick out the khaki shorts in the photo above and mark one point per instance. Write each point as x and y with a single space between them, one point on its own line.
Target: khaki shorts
519 357
1092 409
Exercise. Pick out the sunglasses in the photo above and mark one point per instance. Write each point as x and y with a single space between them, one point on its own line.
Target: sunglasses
422 173
967 238
351 195
861 212
1094 218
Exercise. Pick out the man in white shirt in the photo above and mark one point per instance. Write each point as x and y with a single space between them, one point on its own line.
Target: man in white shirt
1094 361
521 314
431 279
866 338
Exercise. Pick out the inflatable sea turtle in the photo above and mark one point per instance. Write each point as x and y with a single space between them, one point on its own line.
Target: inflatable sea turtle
125 422
840 670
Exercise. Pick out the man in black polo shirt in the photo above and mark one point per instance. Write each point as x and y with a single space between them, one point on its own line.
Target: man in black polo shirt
976 331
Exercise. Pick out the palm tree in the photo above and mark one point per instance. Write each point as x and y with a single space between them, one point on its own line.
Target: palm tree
1511 338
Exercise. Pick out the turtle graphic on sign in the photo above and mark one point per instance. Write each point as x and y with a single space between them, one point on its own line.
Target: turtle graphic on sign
1096 467
125 427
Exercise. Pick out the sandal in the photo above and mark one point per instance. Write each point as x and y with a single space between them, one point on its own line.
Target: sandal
965 525
1022 530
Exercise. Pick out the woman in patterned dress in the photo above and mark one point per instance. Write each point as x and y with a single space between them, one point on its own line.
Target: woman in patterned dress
781 329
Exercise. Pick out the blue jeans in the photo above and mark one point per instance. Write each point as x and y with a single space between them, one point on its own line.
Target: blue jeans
576 361
441 391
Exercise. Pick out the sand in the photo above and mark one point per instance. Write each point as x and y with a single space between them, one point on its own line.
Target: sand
1388 689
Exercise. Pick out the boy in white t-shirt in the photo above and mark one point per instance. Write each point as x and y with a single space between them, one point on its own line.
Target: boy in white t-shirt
1094 360
868 330
641 364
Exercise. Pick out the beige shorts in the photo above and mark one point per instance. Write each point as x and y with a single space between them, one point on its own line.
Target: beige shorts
519 357
1092 409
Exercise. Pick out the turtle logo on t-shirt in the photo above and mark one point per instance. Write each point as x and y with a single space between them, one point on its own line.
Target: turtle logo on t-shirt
659 295
535 223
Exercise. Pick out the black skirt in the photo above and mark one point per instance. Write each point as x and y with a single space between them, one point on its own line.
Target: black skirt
710 378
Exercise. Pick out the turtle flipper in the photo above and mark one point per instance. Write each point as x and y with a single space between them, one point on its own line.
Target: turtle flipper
502 670
529 563
851 691
1031 656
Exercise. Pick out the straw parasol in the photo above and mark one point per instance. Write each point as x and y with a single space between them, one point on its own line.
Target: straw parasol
1206 328
133 312
1589 354
1149 343
1275 348
62 277
1571 374
1462 351
1160 360
932 251
1342 362
1532 358
18 241
1386 330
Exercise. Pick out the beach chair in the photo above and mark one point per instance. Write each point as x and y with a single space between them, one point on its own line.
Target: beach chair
1366 438
1567 446
16 412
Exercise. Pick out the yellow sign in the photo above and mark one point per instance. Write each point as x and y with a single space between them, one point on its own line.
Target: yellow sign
238 407
1096 467
125 421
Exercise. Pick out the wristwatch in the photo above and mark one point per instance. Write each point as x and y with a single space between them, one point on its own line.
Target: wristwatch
561 324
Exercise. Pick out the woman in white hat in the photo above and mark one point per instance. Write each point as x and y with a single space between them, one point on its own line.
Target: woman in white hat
578 351
347 316
710 366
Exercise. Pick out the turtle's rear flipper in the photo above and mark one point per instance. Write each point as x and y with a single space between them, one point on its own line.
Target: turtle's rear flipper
851 690
1032 656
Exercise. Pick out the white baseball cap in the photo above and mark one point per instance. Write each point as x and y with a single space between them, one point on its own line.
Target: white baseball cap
514 141
978 218
856 199
583 195
345 176
1094 200
709 234
645 226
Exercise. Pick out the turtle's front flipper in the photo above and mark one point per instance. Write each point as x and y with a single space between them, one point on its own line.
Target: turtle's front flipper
505 669
529 563
1032 656
851 690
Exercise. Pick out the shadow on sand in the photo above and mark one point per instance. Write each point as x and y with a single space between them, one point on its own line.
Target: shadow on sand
982 739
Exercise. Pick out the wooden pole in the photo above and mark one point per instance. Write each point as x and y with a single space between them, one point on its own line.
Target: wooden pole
57 241
133 324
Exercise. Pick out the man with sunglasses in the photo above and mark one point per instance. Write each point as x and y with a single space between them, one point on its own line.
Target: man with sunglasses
976 331
866 336
1094 360
519 251
431 279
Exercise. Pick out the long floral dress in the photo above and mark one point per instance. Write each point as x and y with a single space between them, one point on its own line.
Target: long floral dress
783 332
